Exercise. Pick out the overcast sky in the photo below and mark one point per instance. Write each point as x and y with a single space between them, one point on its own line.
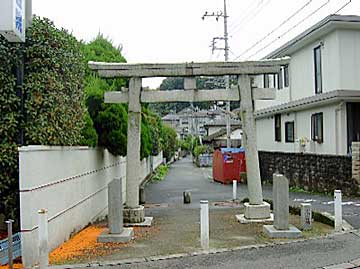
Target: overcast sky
173 31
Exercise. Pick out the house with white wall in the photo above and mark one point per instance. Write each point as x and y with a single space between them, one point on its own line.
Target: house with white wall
317 105
306 133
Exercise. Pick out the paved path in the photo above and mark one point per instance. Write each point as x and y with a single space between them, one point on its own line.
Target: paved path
183 175
335 252
338 251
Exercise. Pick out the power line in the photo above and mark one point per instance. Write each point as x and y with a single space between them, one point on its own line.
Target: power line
345 5
241 24
275 29
289 30
249 10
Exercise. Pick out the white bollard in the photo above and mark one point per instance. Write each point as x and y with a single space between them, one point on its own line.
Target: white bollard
338 210
43 239
234 189
10 243
204 224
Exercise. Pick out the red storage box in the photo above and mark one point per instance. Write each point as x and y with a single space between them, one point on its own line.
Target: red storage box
228 163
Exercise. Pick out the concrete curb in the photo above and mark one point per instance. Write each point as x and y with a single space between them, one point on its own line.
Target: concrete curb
96 264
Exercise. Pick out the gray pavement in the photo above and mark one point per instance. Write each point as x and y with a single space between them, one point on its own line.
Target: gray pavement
341 250
184 175
165 203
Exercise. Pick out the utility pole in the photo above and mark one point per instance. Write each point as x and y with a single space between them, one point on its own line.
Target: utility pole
224 15
28 13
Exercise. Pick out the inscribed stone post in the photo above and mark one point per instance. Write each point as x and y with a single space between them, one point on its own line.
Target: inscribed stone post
306 216
281 202
355 146
115 215
281 227
116 233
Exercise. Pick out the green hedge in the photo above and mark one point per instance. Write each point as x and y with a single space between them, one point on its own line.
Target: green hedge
54 71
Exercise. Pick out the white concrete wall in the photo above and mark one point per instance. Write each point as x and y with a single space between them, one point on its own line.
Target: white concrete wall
349 49
235 135
71 183
334 126
214 129
337 48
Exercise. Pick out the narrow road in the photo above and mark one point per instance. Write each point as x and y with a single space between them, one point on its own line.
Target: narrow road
184 175
164 199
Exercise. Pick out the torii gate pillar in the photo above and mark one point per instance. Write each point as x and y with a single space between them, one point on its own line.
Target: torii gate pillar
256 208
133 212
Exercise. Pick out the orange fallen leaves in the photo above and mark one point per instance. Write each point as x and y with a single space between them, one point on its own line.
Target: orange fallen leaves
84 245
77 245
16 266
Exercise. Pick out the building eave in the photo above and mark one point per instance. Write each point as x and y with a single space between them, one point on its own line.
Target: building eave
310 102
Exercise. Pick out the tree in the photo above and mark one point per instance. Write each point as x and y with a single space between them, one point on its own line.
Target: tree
110 120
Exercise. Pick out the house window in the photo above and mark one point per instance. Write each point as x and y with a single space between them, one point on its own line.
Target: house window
318 71
280 79
286 76
317 127
289 132
278 127
266 81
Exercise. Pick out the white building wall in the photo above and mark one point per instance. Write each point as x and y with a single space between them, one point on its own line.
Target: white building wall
348 67
71 183
301 69
214 129
334 131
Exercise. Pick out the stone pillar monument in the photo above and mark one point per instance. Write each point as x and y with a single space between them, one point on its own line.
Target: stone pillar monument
116 233
281 227
355 146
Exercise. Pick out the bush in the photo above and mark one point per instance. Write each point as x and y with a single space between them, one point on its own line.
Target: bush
185 145
198 150
160 173
89 135
170 142
54 71
111 126
53 84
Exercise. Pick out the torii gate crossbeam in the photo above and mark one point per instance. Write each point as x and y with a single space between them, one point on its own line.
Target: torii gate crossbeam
134 213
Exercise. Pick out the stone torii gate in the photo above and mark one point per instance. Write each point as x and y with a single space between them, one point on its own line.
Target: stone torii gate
243 92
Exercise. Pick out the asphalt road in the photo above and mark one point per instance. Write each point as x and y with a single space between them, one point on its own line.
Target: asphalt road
184 175
334 249
318 253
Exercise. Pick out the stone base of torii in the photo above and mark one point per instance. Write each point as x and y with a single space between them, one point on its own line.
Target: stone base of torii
134 213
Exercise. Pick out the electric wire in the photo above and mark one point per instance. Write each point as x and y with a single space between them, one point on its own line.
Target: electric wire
341 8
242 25
249 9
275 29
290 29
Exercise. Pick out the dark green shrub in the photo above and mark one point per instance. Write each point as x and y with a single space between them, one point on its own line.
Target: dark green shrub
111 126
169 142
54 111
89 135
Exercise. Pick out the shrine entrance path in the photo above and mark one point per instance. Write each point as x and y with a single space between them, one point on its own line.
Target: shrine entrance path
184 175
